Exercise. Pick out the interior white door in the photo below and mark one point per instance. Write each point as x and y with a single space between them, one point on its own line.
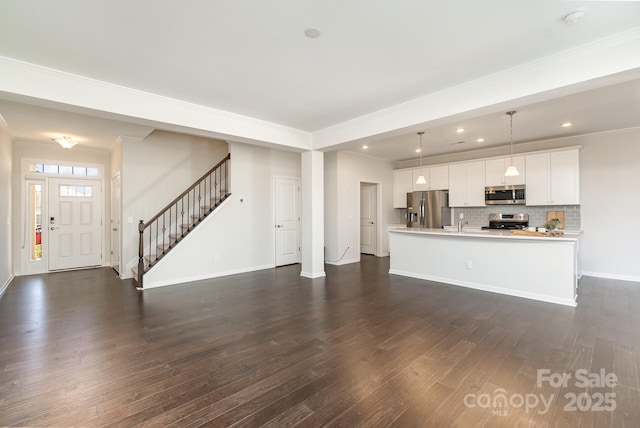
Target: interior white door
75 233
368 218
115 223
287 218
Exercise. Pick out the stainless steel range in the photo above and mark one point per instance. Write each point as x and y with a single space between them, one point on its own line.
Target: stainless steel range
507 221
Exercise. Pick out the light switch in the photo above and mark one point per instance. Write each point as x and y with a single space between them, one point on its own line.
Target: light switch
129 220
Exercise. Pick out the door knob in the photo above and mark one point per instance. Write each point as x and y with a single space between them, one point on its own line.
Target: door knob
370 222
53 228
279 225
115 229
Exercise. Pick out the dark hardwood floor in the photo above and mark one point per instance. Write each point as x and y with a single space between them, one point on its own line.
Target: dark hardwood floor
270 348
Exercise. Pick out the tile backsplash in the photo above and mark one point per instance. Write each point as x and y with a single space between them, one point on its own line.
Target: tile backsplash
479 216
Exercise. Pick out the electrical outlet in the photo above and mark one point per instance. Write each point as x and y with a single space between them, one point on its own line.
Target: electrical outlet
469 264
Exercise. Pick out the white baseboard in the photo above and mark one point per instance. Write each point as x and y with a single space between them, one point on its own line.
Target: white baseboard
313 275
343 262
484 287
630 278
184 280
4 286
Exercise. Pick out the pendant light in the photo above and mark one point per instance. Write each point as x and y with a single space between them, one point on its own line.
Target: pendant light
512 171
421 179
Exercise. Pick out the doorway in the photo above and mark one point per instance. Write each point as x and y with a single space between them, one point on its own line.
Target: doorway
287 221
369 218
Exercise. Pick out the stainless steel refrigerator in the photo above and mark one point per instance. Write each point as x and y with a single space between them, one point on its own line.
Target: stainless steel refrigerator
428 209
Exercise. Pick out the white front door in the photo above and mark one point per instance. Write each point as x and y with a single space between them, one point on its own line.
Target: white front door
74 217
115 223
368 218
287 218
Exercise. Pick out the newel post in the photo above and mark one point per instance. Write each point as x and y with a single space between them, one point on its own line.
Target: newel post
140 253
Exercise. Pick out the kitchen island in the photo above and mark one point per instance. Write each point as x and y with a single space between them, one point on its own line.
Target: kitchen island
536 267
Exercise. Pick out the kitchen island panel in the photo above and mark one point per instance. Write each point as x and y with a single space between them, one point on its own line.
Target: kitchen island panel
542 269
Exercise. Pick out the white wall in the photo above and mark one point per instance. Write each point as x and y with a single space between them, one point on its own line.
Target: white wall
342 223
610 200
331 206
6 268
53 152
240 235
155 170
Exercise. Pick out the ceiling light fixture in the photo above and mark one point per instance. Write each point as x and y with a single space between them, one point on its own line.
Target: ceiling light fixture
421 179
566 124
66 142
480 140
365 147
512 171
460 130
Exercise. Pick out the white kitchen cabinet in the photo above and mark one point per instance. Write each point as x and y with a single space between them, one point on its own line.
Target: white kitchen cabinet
495 169
402 184
437 178
553 178
466 184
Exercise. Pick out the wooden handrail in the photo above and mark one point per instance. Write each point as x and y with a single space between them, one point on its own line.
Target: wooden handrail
170 204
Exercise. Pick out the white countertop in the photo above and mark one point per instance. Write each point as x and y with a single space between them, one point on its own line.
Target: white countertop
487 233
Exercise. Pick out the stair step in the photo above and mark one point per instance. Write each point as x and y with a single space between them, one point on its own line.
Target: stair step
164 247
149 258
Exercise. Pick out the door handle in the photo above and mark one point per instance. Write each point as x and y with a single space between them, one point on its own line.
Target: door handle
279 225
115 229
53 228
370 222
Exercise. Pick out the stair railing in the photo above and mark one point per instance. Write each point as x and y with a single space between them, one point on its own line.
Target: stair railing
164 230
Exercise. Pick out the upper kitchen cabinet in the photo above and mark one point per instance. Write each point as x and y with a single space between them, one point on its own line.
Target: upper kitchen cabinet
402 184
553 178
466 184
437 178
495 168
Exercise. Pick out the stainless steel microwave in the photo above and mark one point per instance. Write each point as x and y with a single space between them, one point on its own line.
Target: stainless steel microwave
504 195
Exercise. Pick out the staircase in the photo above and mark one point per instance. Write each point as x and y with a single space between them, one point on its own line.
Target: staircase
165 230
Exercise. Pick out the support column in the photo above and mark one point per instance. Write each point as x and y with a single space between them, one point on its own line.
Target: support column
312 214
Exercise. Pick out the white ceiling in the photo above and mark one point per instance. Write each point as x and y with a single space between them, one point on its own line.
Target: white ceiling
612 107
252 58
41 124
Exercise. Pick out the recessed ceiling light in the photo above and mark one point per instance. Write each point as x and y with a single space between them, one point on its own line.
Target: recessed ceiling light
480 140
460 130
418 150
573 17
365 147
566 124
312 33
